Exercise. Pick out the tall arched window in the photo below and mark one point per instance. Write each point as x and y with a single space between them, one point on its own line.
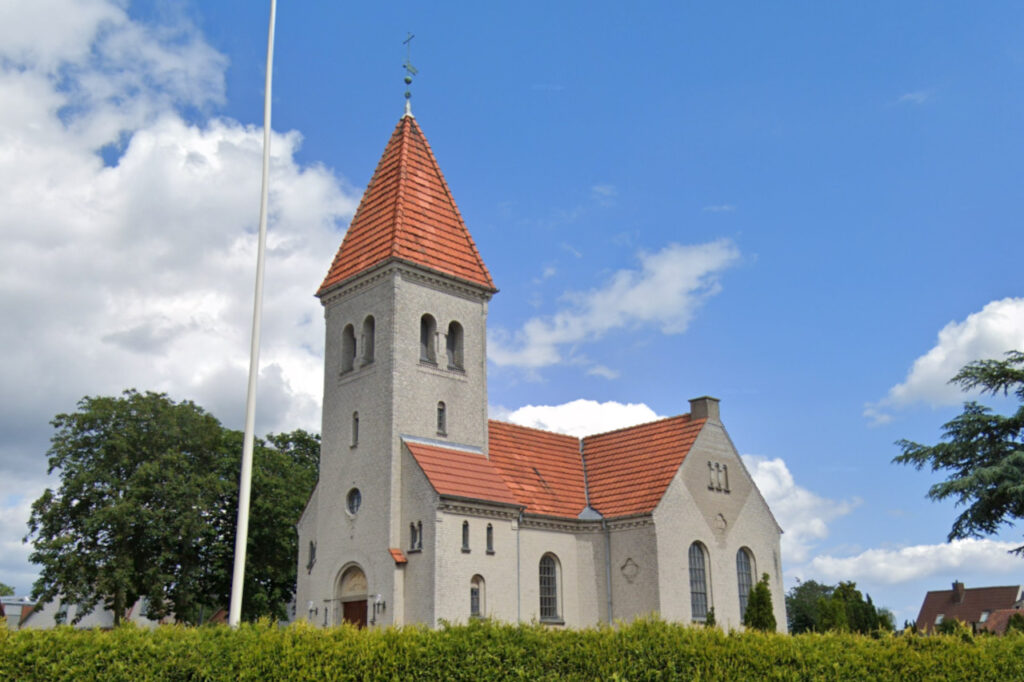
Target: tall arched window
348 348
477 593
428 334
355 429
744 576
453 345
698 582
369 330
442 419
465 536
549 579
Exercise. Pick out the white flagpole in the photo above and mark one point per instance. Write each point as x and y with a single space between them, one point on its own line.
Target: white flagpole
245 480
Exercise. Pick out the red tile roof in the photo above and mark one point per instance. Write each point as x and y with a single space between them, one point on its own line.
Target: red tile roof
543 469
460 473
628 470
407 213
975 600
398 555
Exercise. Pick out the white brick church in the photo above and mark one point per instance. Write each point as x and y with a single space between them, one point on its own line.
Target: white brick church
426 510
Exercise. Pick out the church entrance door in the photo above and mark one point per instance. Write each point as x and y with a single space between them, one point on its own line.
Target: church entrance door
354 612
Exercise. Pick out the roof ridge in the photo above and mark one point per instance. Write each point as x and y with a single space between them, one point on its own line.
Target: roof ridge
685 415
399 213
533 428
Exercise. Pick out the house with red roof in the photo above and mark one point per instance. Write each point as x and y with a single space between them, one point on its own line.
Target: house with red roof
426 510
980 608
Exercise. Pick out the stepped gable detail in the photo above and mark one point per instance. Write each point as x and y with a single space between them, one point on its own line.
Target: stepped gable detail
408 214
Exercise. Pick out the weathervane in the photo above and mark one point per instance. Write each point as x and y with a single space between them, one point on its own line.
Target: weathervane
410 71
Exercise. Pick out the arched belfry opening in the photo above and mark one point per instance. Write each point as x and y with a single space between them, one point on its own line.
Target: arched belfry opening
350 597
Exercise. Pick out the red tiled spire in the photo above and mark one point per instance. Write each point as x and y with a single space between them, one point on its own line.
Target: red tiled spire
407 213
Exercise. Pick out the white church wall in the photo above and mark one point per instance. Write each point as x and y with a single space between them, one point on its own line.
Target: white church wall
634 569
419 505
695 509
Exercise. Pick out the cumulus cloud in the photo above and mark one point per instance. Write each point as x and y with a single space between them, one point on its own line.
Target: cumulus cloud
915 97
893 566
129 232
988 333
803 515
665 292
579 417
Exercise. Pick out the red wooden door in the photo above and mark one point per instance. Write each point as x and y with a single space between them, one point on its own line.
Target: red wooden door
354 612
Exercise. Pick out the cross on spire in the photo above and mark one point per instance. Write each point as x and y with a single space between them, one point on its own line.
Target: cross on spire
410 71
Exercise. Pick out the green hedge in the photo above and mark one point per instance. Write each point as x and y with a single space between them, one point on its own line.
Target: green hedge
643 650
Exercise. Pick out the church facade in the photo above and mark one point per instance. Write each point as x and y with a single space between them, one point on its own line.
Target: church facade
426 510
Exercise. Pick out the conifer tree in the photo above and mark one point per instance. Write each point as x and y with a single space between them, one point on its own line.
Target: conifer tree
759 614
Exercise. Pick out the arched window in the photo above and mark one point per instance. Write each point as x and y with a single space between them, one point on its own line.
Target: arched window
348 348
465 536
355 429
744 576
428 335
549 579
698 582
369 330
477 607
490 539
453 345
442 420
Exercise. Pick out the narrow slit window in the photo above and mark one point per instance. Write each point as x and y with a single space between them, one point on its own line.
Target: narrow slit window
465 536
355 429
490 539
442 420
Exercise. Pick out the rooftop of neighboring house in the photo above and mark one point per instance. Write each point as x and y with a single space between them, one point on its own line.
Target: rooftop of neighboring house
972 606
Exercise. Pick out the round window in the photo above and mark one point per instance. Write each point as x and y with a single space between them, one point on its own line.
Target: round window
354 499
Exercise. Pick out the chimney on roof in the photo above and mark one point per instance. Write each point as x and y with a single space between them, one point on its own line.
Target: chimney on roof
704 407
958 592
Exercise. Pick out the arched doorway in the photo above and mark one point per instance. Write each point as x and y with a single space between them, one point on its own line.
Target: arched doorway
350 596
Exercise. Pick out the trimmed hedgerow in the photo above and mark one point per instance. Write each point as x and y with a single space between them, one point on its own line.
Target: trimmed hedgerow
642 650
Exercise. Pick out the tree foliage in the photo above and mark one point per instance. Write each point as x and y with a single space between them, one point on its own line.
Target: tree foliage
759 614
146 508
814 607
6 590
982 452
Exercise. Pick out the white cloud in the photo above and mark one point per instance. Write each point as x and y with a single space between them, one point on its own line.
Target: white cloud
803 515
139 272
602 371
907 564
989 333
915 97
664 292
579 417
719 208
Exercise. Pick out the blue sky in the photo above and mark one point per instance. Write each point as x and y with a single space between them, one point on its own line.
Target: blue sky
806 210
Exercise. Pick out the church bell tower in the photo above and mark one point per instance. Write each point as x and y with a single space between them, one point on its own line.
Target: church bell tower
405 303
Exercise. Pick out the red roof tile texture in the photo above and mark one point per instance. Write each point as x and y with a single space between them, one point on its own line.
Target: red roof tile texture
543 469
459 473
969 608
408 213
629 470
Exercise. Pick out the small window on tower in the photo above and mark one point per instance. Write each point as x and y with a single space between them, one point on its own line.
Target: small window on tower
369 331
348 348
465 536
355 429
442 420
490 539
428 335
453 343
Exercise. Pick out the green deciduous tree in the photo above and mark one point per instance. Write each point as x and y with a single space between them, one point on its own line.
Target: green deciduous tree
803 609
146 507
759 614
6 590
814 607
983 452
